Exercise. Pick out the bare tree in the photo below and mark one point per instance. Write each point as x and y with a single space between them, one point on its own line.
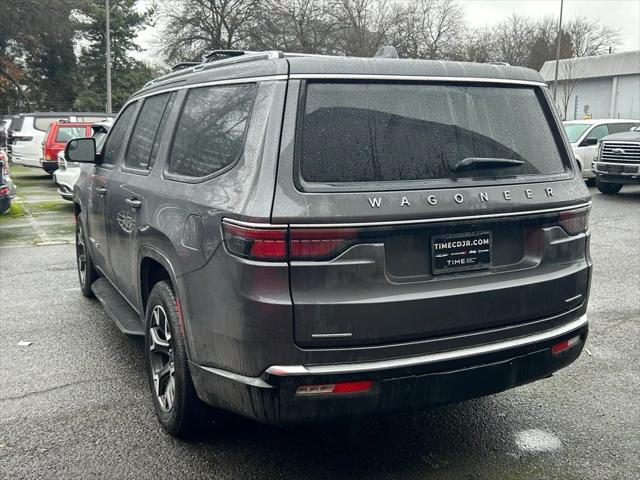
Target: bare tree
477 46
363 25
194 27
569 76
430 29
296 25
590 37
515 37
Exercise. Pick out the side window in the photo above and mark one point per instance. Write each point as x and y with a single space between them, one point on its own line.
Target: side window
620 127
43 123
67 133
144 133
598 132
163 123
211 129
116 137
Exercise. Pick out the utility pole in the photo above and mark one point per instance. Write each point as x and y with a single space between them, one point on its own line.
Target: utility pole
108 40
558 41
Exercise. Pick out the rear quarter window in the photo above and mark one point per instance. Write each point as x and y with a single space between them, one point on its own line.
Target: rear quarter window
43 123
394 132
211 130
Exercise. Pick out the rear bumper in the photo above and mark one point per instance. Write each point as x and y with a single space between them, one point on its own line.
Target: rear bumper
66 179
49 166
25 161
409 383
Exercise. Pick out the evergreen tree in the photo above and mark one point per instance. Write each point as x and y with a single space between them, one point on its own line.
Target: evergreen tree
127 73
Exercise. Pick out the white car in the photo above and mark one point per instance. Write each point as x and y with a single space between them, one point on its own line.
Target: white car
585 134
28 131
68 173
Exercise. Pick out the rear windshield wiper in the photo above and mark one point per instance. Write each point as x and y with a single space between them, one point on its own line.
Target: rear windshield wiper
485 162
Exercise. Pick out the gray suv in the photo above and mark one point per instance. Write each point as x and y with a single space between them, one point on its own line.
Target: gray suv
302 237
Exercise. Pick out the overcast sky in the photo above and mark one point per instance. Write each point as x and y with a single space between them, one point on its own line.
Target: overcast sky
620 14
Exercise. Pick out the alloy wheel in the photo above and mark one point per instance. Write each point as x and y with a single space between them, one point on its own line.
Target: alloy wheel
161 358
81 253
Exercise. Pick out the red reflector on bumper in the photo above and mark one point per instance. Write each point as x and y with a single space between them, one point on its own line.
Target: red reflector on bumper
565 344
335 388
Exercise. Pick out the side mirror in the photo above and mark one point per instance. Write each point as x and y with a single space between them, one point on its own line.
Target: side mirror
81 150
588 142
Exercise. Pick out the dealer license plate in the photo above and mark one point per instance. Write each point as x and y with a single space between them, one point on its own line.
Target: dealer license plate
460 252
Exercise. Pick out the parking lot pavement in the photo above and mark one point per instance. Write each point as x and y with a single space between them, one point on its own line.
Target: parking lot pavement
38 215
75 403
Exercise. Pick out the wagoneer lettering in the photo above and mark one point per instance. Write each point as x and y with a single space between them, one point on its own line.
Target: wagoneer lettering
300 238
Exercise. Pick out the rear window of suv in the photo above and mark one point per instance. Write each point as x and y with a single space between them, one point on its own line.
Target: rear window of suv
391 132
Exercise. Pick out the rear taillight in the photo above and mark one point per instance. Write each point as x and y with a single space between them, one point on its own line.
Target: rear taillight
574 221
4 190
267 244
319 244
50 154
282 244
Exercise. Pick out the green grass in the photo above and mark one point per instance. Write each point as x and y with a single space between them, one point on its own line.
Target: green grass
16 210
49 206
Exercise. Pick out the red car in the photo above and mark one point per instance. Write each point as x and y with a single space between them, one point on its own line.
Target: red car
58 135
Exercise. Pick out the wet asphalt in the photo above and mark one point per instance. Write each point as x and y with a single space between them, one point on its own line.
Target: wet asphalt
76 404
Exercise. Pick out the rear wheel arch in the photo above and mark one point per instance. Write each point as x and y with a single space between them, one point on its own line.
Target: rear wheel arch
154 267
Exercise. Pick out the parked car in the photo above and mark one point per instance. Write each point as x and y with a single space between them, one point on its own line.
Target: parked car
585 134
28 132
5 124
309 237
7 187
618 161
68 173
11 123
58 134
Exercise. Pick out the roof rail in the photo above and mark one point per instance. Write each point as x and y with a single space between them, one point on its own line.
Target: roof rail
241 58
183 65
221 58
217 55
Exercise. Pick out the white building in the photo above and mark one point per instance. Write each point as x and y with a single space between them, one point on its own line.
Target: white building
603 86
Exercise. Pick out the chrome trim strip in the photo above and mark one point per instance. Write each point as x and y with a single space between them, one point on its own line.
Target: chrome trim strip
297 370
405 222
331 335
430 78
573 299
441 219
240 223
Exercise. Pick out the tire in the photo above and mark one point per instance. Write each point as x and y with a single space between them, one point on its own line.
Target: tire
608 188
179 410
87 273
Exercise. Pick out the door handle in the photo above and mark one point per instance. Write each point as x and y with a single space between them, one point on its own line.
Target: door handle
133 202
102 190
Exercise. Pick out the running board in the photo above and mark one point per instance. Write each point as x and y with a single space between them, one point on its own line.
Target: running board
126 318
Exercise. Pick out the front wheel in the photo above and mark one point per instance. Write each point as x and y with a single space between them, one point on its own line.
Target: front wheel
608 188
177 405
87 273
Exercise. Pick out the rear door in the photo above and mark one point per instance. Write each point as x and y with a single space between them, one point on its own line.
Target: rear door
419 210
130 187
101 187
